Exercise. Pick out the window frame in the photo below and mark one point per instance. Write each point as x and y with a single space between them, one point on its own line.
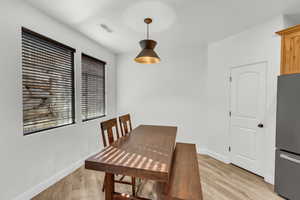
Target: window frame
73 96
104 87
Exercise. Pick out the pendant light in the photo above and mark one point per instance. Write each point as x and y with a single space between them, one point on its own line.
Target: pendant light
147 55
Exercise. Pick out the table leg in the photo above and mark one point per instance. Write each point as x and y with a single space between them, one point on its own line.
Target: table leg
109 186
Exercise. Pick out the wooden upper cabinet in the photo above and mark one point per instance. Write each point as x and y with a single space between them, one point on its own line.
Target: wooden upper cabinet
290 50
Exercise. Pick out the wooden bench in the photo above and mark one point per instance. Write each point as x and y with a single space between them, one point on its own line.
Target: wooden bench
184 181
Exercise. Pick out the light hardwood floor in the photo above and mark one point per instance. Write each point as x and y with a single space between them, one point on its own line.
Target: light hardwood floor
219 182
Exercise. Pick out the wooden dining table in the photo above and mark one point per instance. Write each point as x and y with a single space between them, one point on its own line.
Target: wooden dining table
146 152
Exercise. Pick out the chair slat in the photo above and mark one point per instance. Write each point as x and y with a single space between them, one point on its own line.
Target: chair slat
125 124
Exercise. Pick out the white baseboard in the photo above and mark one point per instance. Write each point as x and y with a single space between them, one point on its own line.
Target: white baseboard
215 155
202 151
269 179
52 180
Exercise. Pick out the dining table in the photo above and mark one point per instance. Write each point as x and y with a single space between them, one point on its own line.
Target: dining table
146 152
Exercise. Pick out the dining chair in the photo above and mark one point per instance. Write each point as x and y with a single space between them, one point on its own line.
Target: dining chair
125 124
108 136
107 130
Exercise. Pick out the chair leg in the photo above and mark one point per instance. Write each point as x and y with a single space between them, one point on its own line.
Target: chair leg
133 186
103 185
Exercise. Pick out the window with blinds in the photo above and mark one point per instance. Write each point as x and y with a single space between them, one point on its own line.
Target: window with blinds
48 83
92 88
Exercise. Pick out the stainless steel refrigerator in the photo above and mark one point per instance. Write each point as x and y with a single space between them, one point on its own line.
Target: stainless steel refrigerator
287 164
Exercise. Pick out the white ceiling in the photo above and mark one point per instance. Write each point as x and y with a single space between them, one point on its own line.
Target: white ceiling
176 23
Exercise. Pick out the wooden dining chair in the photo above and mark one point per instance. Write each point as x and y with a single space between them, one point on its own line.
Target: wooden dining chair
107 130
125 124
108 136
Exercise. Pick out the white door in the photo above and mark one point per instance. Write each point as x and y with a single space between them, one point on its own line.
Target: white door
248 94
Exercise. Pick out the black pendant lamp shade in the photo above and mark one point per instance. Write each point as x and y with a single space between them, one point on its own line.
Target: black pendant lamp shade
147 55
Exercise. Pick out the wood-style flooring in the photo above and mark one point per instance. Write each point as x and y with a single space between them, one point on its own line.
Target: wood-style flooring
219 182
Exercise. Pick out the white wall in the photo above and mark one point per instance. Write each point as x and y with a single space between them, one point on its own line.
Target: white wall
291 20
169 93
257 44
29 160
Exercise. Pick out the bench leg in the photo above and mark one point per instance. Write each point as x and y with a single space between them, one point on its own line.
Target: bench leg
109 186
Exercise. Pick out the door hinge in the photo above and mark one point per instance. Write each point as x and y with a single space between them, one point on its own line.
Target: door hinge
229 113
229 149
230 79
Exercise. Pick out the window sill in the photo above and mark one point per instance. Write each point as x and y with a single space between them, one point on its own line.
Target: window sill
46 129
90 119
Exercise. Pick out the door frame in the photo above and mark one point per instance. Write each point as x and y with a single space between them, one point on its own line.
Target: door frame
263 163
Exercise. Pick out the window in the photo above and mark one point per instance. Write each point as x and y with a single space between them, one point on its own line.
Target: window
48 83
92 88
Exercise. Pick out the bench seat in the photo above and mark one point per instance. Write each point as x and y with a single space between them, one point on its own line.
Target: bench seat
184 181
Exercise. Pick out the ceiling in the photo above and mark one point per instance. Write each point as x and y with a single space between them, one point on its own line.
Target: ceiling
176 23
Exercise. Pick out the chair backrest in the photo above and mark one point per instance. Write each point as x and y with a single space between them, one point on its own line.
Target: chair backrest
107 128
125 124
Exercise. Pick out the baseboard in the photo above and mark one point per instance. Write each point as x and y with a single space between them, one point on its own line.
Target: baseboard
218 156
215 155
52 180
269 179
202 151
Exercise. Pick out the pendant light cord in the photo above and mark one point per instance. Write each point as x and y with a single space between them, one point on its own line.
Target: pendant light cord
147 31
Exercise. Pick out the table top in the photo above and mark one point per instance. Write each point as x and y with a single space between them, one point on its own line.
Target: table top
146 152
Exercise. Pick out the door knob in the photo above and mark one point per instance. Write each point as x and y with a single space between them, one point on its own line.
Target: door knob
260 125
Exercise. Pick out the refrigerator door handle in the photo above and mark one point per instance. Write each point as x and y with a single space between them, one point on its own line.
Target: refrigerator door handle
289 158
